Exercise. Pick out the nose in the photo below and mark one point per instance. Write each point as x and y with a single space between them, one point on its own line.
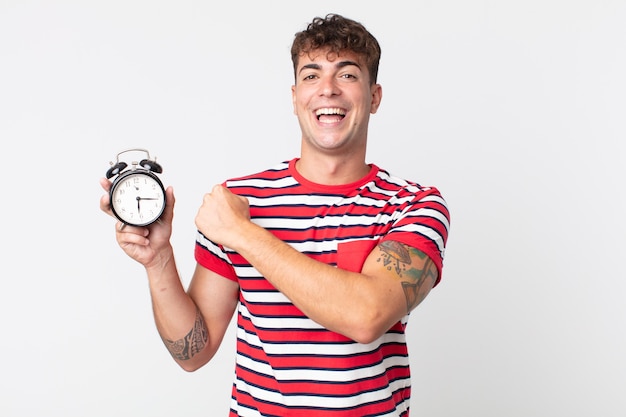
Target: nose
329 87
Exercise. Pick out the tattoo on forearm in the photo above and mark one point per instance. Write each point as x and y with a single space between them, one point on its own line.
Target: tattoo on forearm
397 257
185 348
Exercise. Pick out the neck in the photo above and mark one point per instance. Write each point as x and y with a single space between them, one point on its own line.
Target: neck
332 170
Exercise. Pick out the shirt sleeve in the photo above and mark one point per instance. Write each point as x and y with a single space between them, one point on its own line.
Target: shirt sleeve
424 225
212 257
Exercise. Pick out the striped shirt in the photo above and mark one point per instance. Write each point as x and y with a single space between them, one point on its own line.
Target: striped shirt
287 364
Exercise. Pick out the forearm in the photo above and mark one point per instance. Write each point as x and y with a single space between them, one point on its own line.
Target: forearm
353 304
179 322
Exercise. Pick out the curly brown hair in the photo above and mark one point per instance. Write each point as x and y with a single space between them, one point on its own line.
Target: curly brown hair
338 34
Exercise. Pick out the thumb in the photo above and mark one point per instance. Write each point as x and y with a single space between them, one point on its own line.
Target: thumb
170 200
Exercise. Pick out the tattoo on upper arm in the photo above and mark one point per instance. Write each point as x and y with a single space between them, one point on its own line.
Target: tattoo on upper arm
197 338
413 271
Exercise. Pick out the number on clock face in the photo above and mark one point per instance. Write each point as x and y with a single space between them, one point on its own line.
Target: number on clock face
138 199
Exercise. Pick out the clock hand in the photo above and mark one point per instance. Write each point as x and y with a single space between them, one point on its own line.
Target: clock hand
143 198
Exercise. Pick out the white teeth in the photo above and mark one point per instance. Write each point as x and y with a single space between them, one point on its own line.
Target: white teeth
339 111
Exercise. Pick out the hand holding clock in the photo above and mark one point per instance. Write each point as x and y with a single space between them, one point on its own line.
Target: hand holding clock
148 245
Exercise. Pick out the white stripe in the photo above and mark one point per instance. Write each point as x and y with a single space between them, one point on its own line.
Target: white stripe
246 271
344 220
436 198
430 213
315 246
243 411
268 297
424 230
291 323
318 200
323 349
263 183
325 221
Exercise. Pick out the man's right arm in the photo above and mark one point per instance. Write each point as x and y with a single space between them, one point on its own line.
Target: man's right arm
192 324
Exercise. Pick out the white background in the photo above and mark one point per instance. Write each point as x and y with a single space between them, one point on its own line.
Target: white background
514 109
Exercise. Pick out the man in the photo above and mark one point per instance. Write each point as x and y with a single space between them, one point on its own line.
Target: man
323 256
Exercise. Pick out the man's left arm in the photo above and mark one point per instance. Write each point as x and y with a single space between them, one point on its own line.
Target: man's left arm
362 306
359 305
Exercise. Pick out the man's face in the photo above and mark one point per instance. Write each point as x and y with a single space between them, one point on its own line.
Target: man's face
333 99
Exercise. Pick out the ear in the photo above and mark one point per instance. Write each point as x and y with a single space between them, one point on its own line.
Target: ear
377 96
293 99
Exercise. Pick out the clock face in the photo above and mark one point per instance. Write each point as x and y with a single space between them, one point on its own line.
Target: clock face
137 198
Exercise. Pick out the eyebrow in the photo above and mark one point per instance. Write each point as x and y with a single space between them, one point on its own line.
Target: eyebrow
339 65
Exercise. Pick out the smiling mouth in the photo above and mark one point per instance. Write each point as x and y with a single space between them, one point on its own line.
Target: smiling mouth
330 114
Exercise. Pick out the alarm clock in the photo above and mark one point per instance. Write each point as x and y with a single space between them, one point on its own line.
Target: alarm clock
137 196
